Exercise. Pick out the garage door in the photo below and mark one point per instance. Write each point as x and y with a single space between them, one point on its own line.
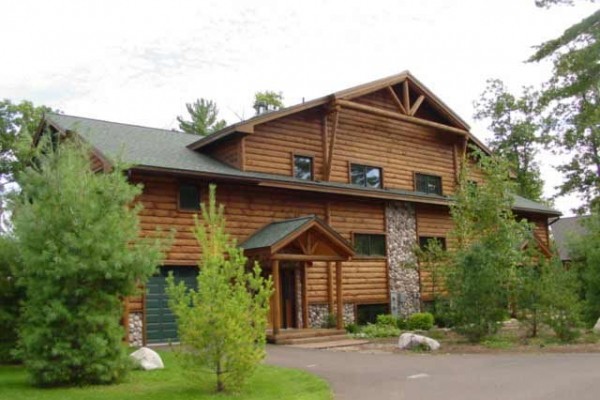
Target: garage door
160 321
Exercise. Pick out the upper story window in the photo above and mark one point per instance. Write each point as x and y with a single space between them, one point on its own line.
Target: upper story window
303 167
425 240
365 175
428 184
189 197
369 244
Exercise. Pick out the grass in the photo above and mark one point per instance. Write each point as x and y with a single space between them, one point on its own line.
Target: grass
172 383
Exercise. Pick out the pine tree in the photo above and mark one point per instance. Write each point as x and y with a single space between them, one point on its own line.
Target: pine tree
222 325
204 116
78 238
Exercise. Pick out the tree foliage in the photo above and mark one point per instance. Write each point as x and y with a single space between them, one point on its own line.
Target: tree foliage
585 255
482 276
78 238
10 298
267 101
547 294
572 95
221 325
204 118
17 122
517 127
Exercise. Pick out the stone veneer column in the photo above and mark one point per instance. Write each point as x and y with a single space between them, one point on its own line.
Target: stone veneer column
136 329
403 270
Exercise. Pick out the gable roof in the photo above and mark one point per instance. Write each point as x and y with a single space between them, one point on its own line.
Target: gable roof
280 233
167 151
563 229
247 126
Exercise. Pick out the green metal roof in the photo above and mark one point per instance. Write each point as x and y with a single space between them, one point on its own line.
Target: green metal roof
275 231
523 204
164 149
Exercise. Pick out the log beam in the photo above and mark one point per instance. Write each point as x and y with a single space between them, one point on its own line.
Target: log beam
330 287
391 114
304 295
405 95
277 299
397 100
415 107
340 296
305 257
336 119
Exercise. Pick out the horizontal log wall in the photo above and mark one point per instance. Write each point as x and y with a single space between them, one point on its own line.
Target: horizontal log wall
228 151
270 148
432 221
249 208
400 148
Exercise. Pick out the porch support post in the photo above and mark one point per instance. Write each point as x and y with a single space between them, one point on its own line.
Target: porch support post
340 295
304 296
330 286
277 300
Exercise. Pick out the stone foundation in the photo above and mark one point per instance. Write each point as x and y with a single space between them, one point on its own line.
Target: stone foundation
136 329
403 268
317 314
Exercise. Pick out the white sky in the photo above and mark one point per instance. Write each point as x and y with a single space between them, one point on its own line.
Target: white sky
141 61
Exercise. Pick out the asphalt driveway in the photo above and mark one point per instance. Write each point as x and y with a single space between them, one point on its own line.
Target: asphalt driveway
450 377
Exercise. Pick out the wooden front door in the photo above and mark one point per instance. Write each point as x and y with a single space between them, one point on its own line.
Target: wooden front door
288 298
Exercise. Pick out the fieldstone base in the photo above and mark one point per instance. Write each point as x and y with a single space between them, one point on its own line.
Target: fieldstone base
317 314
136 329
403 268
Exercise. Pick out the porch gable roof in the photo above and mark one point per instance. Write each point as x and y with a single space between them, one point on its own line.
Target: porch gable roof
276 235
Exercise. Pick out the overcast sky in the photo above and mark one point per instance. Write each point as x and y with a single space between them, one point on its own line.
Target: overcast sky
141 61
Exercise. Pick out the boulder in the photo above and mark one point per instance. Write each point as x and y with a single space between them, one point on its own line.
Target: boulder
596 328
147 359
411 340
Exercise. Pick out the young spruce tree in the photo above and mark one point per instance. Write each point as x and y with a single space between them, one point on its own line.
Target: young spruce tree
81 253
222 325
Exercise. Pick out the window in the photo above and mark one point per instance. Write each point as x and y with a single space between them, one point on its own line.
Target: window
423 240
364 175
369 245
367 313
303 167
428 184
189 197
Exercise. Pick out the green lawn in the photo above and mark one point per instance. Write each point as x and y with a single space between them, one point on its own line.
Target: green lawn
171 384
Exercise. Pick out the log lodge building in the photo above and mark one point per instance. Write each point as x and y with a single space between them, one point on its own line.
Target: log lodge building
331 196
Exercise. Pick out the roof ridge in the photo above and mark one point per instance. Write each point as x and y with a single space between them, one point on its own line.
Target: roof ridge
123 123
309 216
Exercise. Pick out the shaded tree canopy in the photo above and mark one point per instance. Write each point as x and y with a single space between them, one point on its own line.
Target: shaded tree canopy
18 122
267 101
204 118
572 98
516 125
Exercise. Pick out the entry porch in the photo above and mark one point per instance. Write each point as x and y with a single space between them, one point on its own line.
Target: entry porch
287 250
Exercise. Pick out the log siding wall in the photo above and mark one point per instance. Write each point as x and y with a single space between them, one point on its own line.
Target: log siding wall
249 208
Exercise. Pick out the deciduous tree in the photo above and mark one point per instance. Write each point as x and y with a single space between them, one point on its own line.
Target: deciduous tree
267 101
517 127
482 276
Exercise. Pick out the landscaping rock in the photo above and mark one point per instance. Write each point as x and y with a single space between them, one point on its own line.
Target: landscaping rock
147 359
409 341
596 328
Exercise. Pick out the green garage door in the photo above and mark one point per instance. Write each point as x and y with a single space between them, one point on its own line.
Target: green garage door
160 321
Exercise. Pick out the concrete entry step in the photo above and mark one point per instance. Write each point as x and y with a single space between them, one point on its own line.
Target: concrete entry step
293 336
330 344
